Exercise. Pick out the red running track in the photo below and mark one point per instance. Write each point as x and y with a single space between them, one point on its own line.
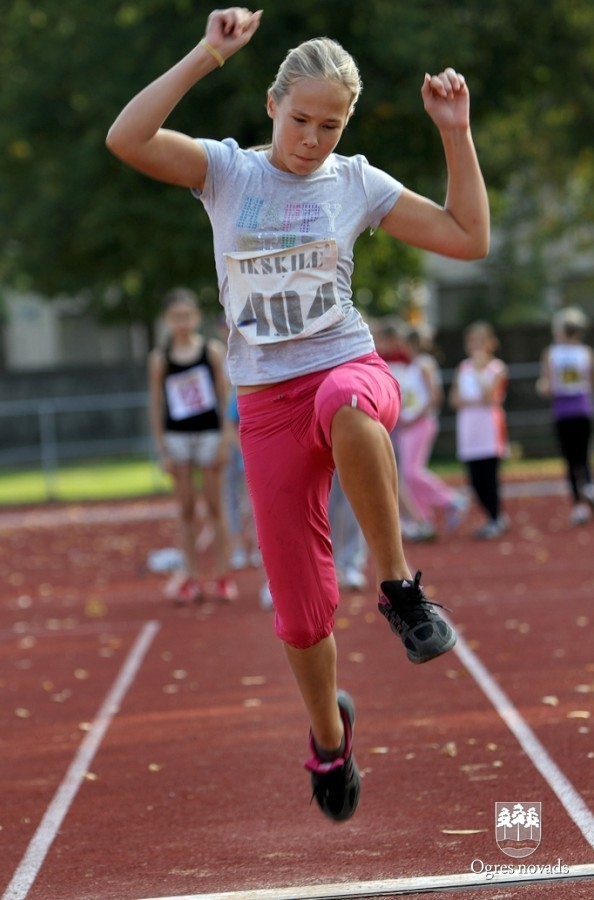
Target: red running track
149 751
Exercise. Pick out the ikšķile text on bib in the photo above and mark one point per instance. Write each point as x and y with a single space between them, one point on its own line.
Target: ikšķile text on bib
285 294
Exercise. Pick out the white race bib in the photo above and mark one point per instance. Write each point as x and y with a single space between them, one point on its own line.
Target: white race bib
469 386
190 393
284 295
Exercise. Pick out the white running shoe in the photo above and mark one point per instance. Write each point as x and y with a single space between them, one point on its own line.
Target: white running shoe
353 579
266 598
238 559
456 511
580 514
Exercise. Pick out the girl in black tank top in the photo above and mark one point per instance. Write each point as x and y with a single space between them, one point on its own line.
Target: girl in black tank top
188 395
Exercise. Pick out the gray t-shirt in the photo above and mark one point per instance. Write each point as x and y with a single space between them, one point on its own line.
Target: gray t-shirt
295 300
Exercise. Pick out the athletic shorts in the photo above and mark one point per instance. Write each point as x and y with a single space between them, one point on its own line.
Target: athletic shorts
198 447
285 438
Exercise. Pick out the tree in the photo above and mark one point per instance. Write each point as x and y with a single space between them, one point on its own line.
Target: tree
532 820
518 818
73 220
504 820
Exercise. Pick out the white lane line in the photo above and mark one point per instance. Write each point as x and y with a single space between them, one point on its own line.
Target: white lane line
43 838
390 888
559 784
552 774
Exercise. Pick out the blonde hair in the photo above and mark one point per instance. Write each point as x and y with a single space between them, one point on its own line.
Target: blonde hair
321 58
569 322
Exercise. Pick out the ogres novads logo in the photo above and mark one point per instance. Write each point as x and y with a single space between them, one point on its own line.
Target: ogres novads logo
518 828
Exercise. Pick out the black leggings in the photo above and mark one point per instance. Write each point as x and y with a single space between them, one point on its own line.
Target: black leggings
484 478
574 441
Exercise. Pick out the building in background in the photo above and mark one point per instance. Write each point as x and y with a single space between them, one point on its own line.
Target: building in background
37 334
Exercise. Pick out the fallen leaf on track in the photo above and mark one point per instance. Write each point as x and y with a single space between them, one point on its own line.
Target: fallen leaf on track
27 643
463 830
95 608
450 749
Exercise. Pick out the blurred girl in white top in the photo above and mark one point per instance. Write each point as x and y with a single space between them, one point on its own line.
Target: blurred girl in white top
567 378
313 394
477 394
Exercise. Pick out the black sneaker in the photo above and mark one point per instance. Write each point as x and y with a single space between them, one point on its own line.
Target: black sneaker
412 617
336 784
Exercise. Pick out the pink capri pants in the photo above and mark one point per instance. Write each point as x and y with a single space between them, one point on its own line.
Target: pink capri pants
285 439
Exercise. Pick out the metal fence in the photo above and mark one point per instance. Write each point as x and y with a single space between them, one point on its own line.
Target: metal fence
47 432
60 429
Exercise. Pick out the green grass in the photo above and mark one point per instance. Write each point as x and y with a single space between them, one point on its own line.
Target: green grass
129 478
105 480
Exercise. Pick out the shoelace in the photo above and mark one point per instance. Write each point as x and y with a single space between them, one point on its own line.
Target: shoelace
419 603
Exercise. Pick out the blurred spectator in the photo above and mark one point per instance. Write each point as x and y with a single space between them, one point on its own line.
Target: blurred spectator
477 395
415 434
240 517
242 527
188 394
348 544
567 377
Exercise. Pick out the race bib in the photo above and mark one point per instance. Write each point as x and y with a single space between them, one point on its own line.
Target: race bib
190 393
284 295
469 386
571 381
411 405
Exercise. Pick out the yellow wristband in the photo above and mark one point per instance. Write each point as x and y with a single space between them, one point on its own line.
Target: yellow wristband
213 52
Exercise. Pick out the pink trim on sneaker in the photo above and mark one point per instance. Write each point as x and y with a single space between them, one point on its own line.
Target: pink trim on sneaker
323 766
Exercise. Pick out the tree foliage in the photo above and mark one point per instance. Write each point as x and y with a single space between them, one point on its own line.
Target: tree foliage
74 220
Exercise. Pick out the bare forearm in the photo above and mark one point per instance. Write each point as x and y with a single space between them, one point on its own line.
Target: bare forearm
466 199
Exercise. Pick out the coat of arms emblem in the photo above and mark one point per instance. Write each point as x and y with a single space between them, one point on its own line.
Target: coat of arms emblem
518 828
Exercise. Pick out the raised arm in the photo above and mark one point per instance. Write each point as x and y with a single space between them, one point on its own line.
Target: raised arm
459 228
137 136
